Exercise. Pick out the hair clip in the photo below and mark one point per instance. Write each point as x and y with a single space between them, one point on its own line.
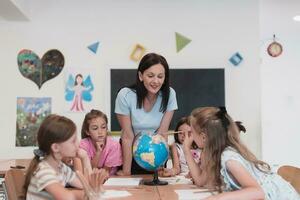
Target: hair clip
222 116
38 153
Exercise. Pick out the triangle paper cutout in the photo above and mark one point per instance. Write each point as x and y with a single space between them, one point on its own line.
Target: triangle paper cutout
181 41
94 47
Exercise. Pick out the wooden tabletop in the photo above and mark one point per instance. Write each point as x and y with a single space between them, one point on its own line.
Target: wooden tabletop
166 192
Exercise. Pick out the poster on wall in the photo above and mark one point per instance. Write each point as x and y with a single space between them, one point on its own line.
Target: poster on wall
30 113
79 90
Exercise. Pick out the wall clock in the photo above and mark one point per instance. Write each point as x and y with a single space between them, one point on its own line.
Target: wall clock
275 48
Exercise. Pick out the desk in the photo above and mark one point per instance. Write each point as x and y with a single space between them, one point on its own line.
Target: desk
5 165
144 192
166 192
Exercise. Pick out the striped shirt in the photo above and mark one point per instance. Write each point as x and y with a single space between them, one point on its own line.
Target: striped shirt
45 175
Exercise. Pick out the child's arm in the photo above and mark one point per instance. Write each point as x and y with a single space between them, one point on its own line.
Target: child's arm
175 159
82 164
199 176
95 160
77 164
61 193
250 188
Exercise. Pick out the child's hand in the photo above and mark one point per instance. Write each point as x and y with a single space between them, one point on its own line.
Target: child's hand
164 172
97 178
160 171
99 146
81 153
93 182
188 175
120 173
188 140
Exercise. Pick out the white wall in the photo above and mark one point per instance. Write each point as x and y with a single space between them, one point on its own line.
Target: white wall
280 83
217 29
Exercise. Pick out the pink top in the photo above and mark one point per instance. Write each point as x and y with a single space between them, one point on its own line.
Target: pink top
111 155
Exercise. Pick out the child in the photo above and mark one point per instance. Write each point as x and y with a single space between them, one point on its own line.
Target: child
178 160
47 175
102 150
227 163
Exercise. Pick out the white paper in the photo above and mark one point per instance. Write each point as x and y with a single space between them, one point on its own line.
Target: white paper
177 180
123 182
193 194
115 194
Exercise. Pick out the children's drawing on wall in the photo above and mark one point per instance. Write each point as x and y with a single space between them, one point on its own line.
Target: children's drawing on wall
30 113
78 91
40 70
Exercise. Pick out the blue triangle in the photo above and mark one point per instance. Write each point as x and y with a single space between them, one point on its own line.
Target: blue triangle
94 47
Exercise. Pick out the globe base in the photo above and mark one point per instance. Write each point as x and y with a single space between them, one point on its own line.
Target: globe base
155 180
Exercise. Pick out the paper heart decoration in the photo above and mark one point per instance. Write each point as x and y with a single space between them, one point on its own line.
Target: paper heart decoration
37 70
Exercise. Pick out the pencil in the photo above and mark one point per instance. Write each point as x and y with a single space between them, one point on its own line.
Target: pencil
173 132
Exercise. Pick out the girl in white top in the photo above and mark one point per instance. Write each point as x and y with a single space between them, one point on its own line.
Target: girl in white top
226 163
47 175
178 159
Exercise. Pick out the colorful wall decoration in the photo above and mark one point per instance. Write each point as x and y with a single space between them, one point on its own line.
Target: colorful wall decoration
78 90
40 70
137 53
181 41
30 113
94 47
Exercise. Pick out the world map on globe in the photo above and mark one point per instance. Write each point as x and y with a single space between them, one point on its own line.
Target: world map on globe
150 150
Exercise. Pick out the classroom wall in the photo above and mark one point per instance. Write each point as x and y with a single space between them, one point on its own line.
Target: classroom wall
218 29
280 83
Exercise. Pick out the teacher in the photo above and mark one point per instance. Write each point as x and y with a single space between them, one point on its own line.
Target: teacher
147 105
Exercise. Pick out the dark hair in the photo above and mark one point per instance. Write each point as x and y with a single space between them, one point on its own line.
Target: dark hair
88 117
53 129
240 126
78 75
146 62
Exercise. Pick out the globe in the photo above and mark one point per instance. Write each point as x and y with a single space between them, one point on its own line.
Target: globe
150 151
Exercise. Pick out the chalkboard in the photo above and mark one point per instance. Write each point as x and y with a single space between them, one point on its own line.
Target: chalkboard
194 88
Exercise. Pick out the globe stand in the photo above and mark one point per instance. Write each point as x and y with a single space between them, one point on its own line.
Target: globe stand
155 180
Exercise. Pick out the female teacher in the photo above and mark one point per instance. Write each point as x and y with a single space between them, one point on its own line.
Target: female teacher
147 105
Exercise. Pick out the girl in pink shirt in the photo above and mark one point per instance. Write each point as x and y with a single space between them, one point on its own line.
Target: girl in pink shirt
103 151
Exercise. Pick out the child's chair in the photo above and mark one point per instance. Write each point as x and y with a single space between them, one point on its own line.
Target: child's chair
13 182
292 175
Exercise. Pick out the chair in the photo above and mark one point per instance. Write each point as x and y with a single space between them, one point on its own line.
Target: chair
13 183
292 175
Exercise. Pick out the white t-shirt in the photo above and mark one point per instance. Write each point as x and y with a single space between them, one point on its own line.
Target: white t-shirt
126 104
45 175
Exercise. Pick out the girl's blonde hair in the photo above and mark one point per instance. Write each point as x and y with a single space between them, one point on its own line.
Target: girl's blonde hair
221 132
53 129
